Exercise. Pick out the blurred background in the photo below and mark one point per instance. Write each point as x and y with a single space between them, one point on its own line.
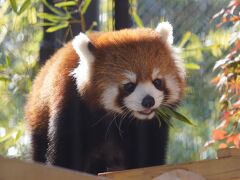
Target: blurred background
206 31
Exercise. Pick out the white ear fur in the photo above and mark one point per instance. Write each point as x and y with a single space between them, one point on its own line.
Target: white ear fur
165 29
80 45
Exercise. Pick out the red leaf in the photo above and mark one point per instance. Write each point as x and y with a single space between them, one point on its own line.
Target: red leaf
234 18
230 139
218 134
237 44
215 80
222 146
236 140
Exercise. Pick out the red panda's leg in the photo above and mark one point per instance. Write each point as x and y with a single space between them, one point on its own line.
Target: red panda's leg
39 145
65 133
58 152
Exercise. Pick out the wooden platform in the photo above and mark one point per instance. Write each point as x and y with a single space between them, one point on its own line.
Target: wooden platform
13 169
227 167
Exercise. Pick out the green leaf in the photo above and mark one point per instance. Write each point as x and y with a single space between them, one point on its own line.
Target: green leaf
165 118
192 66
175 115
32 16
18 135
185 38
5 138
216 51
161 115
43 24
85 6
24 6
49 17
66 4
137 19
58 27
14 5
4 79
52 8
7 61
94 24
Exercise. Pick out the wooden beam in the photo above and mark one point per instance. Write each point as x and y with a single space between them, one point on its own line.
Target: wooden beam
12 169
220 169
225 168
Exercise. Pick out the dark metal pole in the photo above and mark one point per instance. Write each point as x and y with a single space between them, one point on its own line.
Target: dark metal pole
122 15
47 47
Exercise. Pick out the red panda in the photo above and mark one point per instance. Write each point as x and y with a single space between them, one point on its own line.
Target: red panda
92 106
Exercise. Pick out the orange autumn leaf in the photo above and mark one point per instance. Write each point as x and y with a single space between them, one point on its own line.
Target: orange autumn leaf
234 18
222 146
218 134
237 44
230 139
236 141
215 80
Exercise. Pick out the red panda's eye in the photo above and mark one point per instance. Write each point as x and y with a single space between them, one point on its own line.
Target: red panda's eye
129 87
158 83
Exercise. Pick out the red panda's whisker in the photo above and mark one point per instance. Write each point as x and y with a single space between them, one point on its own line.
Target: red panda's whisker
101 119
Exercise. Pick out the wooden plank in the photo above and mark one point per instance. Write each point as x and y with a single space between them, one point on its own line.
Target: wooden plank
221 169
11 169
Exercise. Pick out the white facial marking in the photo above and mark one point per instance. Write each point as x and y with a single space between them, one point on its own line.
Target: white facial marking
131 77
83 71
109 97
134 100
165 30
174 89
178 61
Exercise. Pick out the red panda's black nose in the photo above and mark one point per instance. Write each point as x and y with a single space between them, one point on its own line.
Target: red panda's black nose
148 101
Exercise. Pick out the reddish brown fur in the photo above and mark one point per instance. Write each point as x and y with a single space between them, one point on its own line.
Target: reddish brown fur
139 51
49 87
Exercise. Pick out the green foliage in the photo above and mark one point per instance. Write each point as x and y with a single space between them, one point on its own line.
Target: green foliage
19 46
227 80
22 8
62 15
165 112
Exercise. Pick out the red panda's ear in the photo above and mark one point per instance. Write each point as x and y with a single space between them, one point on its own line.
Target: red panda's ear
83 47
165 30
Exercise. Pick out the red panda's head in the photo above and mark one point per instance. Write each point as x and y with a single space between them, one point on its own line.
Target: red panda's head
131 71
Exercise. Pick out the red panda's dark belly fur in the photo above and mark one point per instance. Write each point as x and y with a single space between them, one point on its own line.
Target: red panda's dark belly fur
93 142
